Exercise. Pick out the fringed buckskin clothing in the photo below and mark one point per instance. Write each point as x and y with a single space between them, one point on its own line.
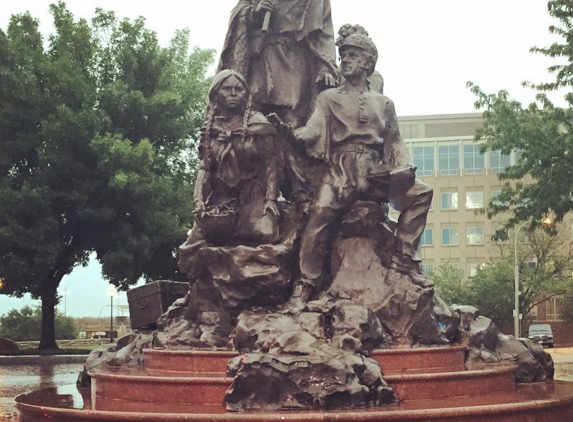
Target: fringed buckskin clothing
297 49
241 172
355 134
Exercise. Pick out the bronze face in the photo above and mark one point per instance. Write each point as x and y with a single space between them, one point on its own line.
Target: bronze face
231 94
354 62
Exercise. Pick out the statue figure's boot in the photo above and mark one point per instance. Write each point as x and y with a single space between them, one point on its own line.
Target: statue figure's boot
301 293
405 264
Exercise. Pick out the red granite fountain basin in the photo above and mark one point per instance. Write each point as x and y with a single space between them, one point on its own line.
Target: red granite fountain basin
392 361
421 359
153 388
541 402
430 382
488 380
207 363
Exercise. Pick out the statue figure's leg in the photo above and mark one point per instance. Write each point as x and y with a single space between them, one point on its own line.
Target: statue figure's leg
189 252
295 184
189 261
316 243
413 206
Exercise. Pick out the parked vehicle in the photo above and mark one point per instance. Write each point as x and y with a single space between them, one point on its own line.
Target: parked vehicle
542 334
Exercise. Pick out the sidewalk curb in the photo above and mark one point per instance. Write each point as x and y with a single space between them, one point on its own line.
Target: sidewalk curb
41 359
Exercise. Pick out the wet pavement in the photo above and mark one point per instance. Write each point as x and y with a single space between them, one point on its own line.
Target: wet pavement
17 379
563 359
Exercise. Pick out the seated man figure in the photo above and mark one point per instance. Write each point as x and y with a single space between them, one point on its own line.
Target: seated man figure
355 131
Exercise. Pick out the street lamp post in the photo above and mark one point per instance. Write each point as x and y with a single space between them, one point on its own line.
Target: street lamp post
112 291
516 330
66 301
516 324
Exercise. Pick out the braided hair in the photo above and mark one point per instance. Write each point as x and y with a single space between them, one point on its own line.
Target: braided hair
213 111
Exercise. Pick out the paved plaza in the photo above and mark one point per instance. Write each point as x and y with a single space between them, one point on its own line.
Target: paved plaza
21 378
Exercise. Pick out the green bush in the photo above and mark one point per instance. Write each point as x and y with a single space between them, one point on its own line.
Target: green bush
26 324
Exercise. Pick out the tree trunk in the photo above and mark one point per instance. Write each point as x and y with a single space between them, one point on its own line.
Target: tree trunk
49 290
48 336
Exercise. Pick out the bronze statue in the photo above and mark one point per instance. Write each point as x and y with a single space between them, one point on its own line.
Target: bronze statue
355 131
236 188
285 49
246 256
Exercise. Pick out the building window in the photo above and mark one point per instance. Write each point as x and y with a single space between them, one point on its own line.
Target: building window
450 236
473 268
409 131
494 194
533 314
498 161
449 200
474 161
554 309
475 235
449 159
424 160
427 268
474 199
518 156
427 237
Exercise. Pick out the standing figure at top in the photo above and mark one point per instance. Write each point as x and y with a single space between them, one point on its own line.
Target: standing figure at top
285 49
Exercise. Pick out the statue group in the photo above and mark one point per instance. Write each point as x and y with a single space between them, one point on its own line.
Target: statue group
294 263
292 252
335 143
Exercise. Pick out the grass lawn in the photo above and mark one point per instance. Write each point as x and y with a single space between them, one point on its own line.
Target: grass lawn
66 347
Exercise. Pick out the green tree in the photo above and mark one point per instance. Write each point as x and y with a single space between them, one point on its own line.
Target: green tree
568 305
450 284
97 129
492 292
26 324
541 182
544 260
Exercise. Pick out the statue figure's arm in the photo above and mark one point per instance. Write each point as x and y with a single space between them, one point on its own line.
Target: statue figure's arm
198 197
395 150
272 176
258 11
316 133
321 44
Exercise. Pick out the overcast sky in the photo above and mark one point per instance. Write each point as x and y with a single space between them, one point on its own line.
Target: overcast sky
428 51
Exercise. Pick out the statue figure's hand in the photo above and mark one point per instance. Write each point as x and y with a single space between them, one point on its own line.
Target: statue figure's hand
263 7
285 130
326 80
271 206
199 207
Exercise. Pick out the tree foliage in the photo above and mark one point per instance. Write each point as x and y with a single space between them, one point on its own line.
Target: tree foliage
545 262
492 290
568 305
97 126
25 325
450 284
541 182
